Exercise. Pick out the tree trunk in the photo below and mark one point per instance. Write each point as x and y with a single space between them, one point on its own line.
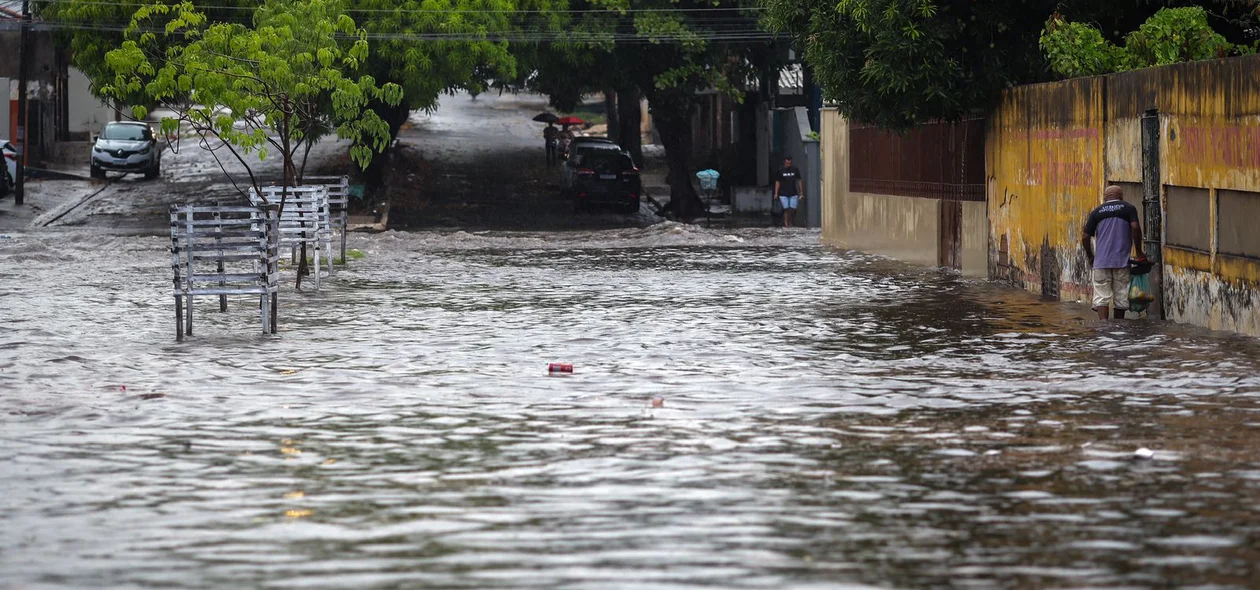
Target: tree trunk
629 120
395 116
610 110
676 137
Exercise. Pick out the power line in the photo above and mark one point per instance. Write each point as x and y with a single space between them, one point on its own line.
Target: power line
204 7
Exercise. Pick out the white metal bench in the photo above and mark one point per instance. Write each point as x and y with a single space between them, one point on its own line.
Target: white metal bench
304 219
338 207
224 251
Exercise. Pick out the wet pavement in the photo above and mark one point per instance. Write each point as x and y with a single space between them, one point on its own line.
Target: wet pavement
830 420
480 165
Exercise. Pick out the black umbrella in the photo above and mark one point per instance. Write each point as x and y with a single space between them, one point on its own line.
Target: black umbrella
546 118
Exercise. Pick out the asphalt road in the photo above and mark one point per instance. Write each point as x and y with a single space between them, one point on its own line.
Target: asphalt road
480 164
472 164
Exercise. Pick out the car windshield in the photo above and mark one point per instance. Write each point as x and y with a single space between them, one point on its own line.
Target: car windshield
126 133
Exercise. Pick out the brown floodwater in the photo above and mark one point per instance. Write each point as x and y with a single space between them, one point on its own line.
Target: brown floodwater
827 419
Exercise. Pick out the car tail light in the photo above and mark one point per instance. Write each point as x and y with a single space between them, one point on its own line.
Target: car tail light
585 171
632 171
10 156
581 195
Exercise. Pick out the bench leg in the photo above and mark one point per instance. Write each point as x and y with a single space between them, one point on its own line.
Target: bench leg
188 326
274 306
329 258
264 309
223 303
345 224
315 268
179 318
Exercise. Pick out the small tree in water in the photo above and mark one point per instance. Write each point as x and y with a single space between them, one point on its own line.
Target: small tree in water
278 85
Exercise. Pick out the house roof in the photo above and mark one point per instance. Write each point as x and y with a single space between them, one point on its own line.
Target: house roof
10 9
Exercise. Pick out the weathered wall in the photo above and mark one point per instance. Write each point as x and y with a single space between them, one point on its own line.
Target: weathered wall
1044 155
905 228
88 114
6 90
902 227
1052 148
975 238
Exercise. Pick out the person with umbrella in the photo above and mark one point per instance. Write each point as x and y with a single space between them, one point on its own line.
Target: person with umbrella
566 136
550 135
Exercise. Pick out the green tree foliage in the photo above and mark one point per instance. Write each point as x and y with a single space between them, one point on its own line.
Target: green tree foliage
1077 49
1172 35
274 85
434 46
898 62
91 28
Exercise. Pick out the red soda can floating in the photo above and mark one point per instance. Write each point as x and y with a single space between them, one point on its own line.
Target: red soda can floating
559 368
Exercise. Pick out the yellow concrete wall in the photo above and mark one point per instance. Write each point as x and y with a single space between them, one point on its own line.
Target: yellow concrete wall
1044 162
1052 148
833 136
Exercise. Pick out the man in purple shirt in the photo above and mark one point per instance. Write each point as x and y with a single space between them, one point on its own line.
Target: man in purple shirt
1114 226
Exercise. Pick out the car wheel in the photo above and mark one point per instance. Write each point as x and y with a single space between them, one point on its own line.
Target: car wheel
154 171
97 172
630 208
5 183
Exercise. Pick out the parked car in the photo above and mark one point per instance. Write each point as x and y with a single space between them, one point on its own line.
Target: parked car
601 174
10 167
582 140
127 146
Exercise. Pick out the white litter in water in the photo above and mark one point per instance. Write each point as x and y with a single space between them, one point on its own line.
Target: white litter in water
1143 453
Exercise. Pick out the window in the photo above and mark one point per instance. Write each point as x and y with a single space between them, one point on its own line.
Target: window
1188 218
1236 216
127 133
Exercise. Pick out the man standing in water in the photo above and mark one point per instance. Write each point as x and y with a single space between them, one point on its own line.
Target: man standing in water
549 136
1114 226
789 189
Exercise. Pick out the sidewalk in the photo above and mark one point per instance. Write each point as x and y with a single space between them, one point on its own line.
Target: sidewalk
45 201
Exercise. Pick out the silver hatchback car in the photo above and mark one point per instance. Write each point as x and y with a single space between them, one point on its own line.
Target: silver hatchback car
126 146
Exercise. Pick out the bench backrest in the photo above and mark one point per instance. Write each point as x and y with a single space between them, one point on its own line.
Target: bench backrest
223 249
338 190
305 216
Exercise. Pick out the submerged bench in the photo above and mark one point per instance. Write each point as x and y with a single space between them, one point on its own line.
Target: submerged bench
304 219
338 207
224 251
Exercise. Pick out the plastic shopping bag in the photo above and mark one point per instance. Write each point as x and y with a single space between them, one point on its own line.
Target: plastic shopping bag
776 206
1140 295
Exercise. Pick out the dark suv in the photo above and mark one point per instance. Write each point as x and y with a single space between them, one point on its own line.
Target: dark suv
601 174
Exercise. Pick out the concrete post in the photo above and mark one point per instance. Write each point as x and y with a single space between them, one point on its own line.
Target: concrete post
763 144
813 184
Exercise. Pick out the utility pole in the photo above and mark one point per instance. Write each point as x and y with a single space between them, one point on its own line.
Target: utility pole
24 56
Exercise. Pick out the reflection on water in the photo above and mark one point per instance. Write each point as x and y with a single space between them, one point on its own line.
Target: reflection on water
829 418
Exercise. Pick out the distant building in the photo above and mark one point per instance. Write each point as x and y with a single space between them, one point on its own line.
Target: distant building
63 113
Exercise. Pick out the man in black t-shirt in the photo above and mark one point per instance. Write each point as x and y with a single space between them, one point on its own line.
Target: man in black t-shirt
789 189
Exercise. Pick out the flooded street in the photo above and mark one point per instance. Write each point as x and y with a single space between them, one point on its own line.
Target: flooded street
830 420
